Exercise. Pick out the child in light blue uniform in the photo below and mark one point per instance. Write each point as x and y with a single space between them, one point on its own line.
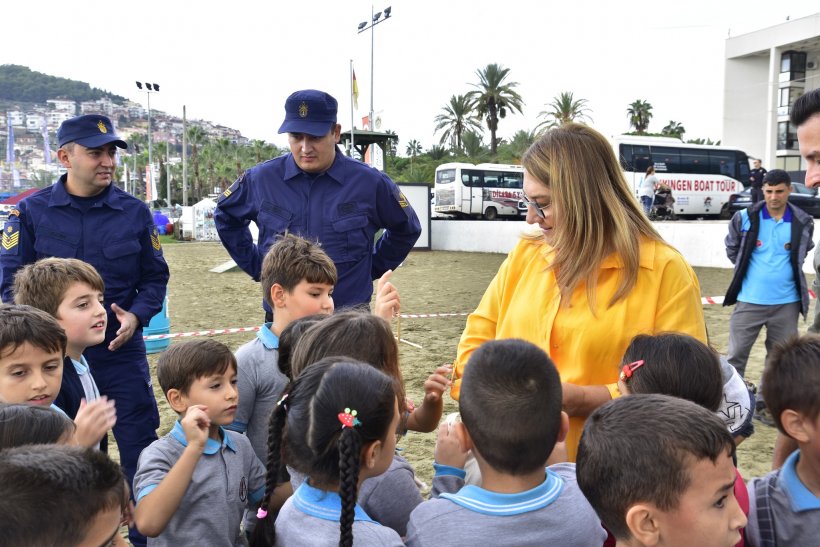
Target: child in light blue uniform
193 485
511 419
338 427
392 496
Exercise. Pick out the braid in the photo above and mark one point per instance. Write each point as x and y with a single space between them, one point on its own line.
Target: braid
264 534
350 443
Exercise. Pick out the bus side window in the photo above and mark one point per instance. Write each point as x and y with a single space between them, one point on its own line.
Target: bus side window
625 157
694 161
665 159
722 163
491 180
641 163
513 180
471 178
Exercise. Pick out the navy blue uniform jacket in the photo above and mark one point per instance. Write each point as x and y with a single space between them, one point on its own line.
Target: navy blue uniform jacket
342 208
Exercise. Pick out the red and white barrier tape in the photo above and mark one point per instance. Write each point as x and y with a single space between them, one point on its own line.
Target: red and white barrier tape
706 300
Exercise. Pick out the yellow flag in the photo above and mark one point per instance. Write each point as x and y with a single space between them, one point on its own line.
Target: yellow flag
355 91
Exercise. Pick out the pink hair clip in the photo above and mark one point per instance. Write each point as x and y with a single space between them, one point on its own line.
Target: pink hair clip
261 513
628 370
348 418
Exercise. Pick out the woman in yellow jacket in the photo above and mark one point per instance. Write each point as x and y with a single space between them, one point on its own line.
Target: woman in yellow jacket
594 275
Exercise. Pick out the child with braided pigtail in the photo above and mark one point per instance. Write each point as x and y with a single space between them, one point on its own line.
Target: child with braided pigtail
336 426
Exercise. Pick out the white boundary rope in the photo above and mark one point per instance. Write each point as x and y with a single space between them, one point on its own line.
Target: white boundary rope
706 300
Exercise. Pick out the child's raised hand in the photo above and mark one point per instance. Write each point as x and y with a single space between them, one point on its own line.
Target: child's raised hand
93 420
388 302
448 449
436 383
196 425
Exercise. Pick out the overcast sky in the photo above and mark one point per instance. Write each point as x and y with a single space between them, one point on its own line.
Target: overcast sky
234 63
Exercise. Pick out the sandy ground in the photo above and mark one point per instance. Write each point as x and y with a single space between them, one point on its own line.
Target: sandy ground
430 282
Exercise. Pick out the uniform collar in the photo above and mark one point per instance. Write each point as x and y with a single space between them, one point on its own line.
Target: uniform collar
336 171
267 337
211 446
322 504
646 257
787 216
800 497
485 502
80 366
59 195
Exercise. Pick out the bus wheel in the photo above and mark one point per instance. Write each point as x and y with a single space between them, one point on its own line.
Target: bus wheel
490 214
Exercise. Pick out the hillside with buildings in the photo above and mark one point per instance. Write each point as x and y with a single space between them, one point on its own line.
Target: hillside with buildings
29 132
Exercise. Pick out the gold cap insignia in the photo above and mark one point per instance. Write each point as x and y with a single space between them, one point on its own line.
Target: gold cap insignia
303 110
101 125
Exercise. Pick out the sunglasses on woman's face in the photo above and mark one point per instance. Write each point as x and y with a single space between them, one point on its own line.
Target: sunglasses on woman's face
539 209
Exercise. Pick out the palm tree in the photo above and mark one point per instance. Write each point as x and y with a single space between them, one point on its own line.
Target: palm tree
493 98
562 110
520 142
413 148
639 113
474 146
674 129
456 120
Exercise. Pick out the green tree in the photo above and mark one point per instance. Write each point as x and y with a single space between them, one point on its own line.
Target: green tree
413 148
520 142
493 97
563 109
474 147
701 140
673 129
455 120
639 113
437 153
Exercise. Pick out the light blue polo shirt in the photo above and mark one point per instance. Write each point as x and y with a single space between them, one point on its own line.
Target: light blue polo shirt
92 392
227 478
553 513
310 517
770 278
800 498
260 384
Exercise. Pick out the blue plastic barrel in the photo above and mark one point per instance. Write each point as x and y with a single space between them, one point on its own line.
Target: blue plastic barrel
159 324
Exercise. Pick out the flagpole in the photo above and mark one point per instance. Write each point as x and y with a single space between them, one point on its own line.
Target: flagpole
352 113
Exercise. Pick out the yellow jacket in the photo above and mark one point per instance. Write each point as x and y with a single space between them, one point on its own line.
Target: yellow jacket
523 302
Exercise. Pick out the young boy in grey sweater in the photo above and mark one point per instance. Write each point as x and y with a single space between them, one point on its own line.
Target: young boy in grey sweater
511 419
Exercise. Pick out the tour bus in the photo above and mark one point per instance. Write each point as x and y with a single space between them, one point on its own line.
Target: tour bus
486 190
701 177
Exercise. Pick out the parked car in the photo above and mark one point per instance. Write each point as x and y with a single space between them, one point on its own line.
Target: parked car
801 196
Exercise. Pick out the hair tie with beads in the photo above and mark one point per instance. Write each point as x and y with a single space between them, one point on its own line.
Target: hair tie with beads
348 418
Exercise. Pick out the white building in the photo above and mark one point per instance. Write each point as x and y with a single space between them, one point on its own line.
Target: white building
766 71
16 117
63 105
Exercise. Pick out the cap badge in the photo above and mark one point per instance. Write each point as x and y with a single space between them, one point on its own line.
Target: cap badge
303 110
101 125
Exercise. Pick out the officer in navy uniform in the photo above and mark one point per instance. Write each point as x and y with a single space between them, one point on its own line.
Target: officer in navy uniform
83 215
319 193
756 181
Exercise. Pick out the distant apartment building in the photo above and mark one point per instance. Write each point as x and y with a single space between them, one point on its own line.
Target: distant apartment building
766 71
100 106
63 105
34 121
16 117
56 118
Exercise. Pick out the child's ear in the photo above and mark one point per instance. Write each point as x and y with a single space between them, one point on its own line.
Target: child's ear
175 400
465 442
277 295
641 519
562 432
370 454
794 424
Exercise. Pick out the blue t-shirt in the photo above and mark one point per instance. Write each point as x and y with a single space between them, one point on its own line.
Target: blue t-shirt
770 278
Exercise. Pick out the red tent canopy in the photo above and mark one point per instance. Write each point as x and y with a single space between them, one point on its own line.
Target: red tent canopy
14 200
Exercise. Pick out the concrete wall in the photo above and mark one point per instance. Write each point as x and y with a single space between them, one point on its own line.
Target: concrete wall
700 242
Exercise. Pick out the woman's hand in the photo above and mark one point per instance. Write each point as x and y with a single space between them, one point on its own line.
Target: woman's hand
582 401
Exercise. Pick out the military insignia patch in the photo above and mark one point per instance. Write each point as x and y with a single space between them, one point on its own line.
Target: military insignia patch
402 199
155 240
303 110
227 192
101 126
10 238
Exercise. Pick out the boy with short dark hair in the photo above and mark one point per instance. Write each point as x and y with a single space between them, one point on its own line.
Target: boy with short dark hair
511 419
658 471
784 506
71 291
194 483
60 496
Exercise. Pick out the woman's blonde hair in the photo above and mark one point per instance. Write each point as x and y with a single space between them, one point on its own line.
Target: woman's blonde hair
596 213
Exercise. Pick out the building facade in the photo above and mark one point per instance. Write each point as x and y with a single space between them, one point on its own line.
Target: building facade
765 72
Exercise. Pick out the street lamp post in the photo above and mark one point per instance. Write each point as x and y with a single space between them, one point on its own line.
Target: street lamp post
149 88
375 19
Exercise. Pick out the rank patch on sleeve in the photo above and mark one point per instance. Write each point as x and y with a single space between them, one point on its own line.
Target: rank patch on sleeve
155 240
402 199
11 238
